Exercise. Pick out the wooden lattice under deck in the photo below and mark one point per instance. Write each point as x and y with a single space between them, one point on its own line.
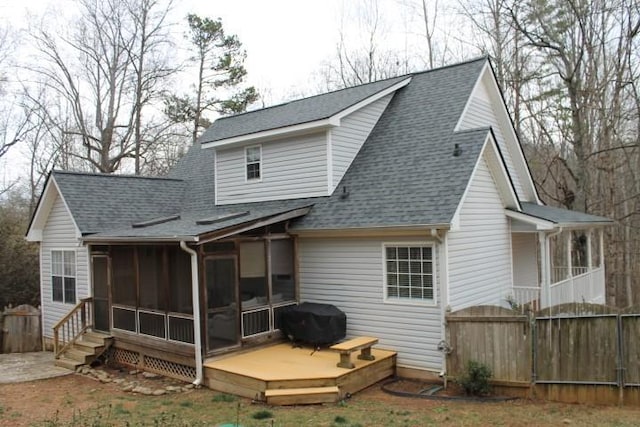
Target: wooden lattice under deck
141 361
124 357
169 369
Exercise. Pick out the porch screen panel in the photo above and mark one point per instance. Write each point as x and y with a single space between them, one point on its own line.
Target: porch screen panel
253 276
124 276
152 277
282 273
152 324
180 300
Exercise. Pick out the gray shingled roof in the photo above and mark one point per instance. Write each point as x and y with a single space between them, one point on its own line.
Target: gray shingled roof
561 216
293 113
101 201
405 174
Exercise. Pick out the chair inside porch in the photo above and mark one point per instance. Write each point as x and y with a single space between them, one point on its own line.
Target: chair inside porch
281 374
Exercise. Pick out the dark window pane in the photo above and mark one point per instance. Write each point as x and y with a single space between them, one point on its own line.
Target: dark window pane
403 266
56 287
392 291
403 253
426 253
415 267
392 266
391 253
414 253
70 290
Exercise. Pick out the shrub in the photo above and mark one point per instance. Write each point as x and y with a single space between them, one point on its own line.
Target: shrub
475 379
262 415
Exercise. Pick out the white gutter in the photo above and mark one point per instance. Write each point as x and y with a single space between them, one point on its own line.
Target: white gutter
196 310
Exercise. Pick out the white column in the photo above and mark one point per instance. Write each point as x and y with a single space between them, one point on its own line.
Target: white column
590 266
570 266
545 275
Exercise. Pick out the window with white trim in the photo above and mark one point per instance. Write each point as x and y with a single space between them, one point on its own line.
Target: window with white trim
253 160
63 276
409 274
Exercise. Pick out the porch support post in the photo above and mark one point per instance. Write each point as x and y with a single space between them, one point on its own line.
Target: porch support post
590 266
195 296
601 249
545 276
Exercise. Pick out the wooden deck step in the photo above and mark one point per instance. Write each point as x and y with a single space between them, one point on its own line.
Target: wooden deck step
302 396
97 337
79 355
70 364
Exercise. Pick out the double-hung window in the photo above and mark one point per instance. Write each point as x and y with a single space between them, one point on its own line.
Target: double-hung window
63 276
253 161
409 272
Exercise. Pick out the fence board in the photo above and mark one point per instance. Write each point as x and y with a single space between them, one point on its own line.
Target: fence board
630 325
21 330
495 336
576 343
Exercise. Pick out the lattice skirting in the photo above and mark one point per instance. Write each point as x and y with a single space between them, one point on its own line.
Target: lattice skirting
138 360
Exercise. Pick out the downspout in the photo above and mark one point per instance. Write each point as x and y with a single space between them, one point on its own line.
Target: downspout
195 295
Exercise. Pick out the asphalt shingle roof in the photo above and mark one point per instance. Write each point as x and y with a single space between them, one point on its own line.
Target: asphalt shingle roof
295 112
405 174
101 201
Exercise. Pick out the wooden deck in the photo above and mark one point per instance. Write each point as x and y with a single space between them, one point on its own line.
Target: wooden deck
283 375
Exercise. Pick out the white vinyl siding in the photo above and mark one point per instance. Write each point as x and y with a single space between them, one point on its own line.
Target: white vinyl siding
290 168
479 250
525 259
348 138
481 113
60 234
349 274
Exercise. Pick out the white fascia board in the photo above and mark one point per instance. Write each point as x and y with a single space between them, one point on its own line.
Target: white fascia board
47 199
492 151
508 123
373 98
302 128
308 127
539 223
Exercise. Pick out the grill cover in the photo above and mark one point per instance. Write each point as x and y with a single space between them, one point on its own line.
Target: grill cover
317 324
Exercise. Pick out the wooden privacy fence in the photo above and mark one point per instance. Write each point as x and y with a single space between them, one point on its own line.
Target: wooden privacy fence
21 329
570 352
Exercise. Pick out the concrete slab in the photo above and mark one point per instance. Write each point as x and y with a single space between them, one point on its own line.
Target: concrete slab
22 367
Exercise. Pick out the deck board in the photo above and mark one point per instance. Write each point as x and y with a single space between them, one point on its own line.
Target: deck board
282 362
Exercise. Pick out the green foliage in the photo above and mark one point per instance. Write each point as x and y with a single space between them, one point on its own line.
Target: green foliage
219 59
340 420
262 415
224 398
475 379
19 271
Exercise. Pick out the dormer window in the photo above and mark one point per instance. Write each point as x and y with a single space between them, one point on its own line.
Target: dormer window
253 158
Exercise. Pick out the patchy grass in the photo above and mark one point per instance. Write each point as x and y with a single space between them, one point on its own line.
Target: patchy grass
45 405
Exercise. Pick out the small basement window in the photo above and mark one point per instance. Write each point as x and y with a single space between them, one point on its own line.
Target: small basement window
63 276
409 273
253 160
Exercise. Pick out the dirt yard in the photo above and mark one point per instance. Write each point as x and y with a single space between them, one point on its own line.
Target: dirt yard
78 400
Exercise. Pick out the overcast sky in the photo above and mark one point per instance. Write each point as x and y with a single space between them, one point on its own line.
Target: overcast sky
286 40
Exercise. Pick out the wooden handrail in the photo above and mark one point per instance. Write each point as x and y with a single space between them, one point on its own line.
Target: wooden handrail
68 329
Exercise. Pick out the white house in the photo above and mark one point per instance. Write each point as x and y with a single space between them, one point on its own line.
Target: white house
394 201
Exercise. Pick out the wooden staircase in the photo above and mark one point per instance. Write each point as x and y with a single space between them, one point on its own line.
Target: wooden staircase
302 396
87 348
74 341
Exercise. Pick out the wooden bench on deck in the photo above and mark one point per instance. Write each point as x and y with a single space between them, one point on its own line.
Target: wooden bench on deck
347 347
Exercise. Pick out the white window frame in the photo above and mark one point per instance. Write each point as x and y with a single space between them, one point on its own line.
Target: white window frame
410 301
64 276
246 164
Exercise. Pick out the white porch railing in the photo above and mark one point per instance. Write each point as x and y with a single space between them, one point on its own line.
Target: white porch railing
583 286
